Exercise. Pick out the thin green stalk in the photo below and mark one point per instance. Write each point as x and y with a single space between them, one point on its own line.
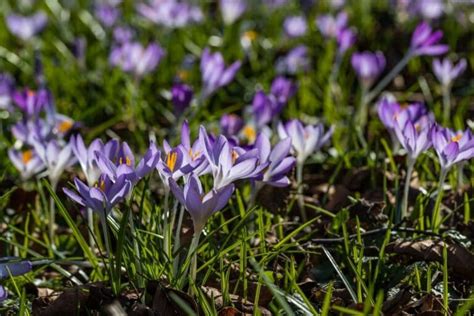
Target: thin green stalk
166 224
389 77
52 215
90 223
406 190
446 90
137 249
300 193
362 113
192 252
436 220
177 239
105 232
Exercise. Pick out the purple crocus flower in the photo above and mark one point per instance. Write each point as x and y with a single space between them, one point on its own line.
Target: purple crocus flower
231 10
26 132
170 165
107 14
346 38
6 91
331 26
214 72
25 27
102 197
283 90
305 140
11 266
231 124
446 71
426 42
199 204
295 61
452 147
32 102
413 136
295 26
123 34
134 58
263 108
194 159
170 13
181 96
229 164
279 163
428 9
27 162
368 66
388 109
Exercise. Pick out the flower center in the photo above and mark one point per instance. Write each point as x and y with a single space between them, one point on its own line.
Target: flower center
194 155
128 162
183 74
65 126
250 133
456 138
26 156
250 35
171 159
235 155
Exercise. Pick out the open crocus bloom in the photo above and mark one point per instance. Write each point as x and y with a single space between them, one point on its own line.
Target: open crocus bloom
27 162
304 140
413 136
368 66
446 71
200 205
452 147
330 26
389 109
25 27
10 266
426 42
135 58
31 102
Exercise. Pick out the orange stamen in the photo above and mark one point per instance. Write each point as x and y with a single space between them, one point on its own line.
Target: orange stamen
26 156
456 138
171 159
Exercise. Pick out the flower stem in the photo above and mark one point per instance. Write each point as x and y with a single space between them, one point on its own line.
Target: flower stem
193 253
406 190
52 215
300 193
361 117
389 77
90 223
446 104
177 239
436 220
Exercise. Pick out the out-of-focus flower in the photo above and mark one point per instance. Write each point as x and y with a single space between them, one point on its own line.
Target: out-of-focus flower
214 72
283 90
368 66
100 198
295 61
295 26
231 10
279 163
55 157
337 4
107 14
134 58
25 27
389 109
229 164
428 9
31 102
305 140
123 34
331 26
200 205
446 71
26 132
426 42
11 266
346 38
181 96
273 4
231 124
6 90
170 13
27 162
413 136
452 147
263 108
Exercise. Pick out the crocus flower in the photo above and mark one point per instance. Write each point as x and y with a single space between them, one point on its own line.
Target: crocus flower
32 102
199 204
25 27
134 58
102 197
283 90
305 140
27 132
10 266
295 26
346 38
6 91
55 157
428 9
446 71
214 72
426 42
279 163
107 14
413 136
263 108
27 162
331 26
229 164
231 10
193 156
273 4
181 96
368 66
452 147
123 34
231 124
295 61
388 109
170 13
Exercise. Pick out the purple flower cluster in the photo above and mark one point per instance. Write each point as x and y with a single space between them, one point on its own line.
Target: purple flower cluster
336 28
214 72
26 27
232 10
170 13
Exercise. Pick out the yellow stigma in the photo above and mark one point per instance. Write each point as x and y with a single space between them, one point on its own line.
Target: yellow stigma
102 185
250 35
193 155
30 93
65 126
26 156
456 138
183 74
250 133
235 155
171 160
128 162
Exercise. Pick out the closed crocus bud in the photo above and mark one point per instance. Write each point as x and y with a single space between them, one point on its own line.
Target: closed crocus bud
6 90
231 124
107 14
283 90
368 66
231 10
295 26
446 71
25 27
331 26
295 61
181 96
346 38
425 41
